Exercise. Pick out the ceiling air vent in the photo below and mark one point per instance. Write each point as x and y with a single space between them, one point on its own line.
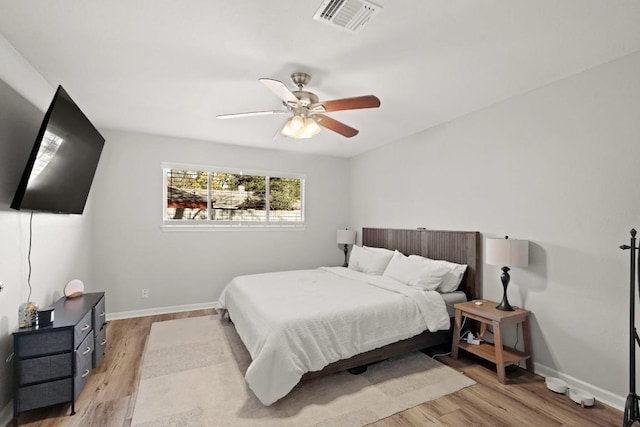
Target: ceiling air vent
350 15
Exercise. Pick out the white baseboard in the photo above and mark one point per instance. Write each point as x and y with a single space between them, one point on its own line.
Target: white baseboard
6 414
160 310
601 395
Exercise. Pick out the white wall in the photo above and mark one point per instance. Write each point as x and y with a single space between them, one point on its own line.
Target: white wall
61 244
132 252
558 166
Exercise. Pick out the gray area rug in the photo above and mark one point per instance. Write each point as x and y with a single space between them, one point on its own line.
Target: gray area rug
193 375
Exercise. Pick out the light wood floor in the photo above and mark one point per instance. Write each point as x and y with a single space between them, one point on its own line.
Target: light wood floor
109 395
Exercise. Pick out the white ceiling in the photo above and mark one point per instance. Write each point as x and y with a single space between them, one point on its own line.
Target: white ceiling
169 67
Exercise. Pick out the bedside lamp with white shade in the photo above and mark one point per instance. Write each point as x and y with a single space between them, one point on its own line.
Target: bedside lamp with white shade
346 237
507 253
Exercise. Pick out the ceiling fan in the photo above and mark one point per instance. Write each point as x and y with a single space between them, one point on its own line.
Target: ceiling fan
307 112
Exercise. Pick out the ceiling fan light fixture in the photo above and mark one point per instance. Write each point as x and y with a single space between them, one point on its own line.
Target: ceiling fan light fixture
311 128
286 130
296 123
293 127
298 127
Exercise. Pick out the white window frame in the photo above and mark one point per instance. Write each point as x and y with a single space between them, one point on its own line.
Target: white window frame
208 224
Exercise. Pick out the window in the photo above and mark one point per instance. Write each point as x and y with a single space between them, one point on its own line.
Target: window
232 198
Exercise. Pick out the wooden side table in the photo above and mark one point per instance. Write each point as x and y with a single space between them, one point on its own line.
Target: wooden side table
487 314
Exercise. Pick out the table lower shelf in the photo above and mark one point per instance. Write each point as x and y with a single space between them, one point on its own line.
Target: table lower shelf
488 352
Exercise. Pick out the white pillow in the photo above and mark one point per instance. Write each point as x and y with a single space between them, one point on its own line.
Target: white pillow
389 252
452 280
369 260
415 273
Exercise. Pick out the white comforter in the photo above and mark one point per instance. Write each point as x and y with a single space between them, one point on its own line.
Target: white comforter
301 321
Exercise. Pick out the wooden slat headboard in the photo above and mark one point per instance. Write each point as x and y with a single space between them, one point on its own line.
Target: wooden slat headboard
462 247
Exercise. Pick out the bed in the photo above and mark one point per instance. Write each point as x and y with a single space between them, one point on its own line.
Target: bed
298 325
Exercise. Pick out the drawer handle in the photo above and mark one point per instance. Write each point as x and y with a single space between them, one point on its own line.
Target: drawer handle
85 327
103 342
85 373
101 314
87 351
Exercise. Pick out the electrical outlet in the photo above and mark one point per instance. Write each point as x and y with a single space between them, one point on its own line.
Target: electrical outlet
144 293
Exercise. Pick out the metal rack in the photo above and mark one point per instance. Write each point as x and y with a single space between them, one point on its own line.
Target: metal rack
631 412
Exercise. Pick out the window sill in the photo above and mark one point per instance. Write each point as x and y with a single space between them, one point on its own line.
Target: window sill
225 227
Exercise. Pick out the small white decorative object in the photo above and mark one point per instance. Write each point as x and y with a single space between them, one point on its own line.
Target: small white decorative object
74 288
581 397
556 385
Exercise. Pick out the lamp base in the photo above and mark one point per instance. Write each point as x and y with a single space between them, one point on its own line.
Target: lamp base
346 250
504 304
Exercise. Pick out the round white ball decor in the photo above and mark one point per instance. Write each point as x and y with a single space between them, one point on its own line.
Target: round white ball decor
74 288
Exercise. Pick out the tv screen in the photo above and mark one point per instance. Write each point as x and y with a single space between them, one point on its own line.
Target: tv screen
63 161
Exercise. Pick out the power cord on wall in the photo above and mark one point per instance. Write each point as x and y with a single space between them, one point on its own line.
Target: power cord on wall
516 343
29 254
10 356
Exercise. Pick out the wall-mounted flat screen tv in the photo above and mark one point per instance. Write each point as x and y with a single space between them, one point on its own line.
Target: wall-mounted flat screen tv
63 161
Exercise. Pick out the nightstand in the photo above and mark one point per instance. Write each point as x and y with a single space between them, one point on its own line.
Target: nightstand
487 314
53 363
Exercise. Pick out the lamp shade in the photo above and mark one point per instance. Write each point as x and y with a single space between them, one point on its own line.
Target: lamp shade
346 237
507 252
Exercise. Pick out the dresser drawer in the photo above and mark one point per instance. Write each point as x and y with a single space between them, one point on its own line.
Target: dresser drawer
45 368
100 346
36 396
82 329
84 363
39 344
98 316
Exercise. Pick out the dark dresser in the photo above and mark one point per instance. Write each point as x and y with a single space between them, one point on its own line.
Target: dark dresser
53 363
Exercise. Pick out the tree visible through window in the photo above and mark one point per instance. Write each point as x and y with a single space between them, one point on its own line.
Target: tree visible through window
232 198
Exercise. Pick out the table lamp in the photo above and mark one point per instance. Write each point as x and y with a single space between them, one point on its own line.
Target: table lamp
507 253
346 237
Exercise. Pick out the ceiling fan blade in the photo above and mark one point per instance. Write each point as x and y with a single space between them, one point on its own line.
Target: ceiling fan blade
252 113
277 87
355 103
336 126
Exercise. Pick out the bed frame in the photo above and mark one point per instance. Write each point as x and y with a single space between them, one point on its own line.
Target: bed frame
462 247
